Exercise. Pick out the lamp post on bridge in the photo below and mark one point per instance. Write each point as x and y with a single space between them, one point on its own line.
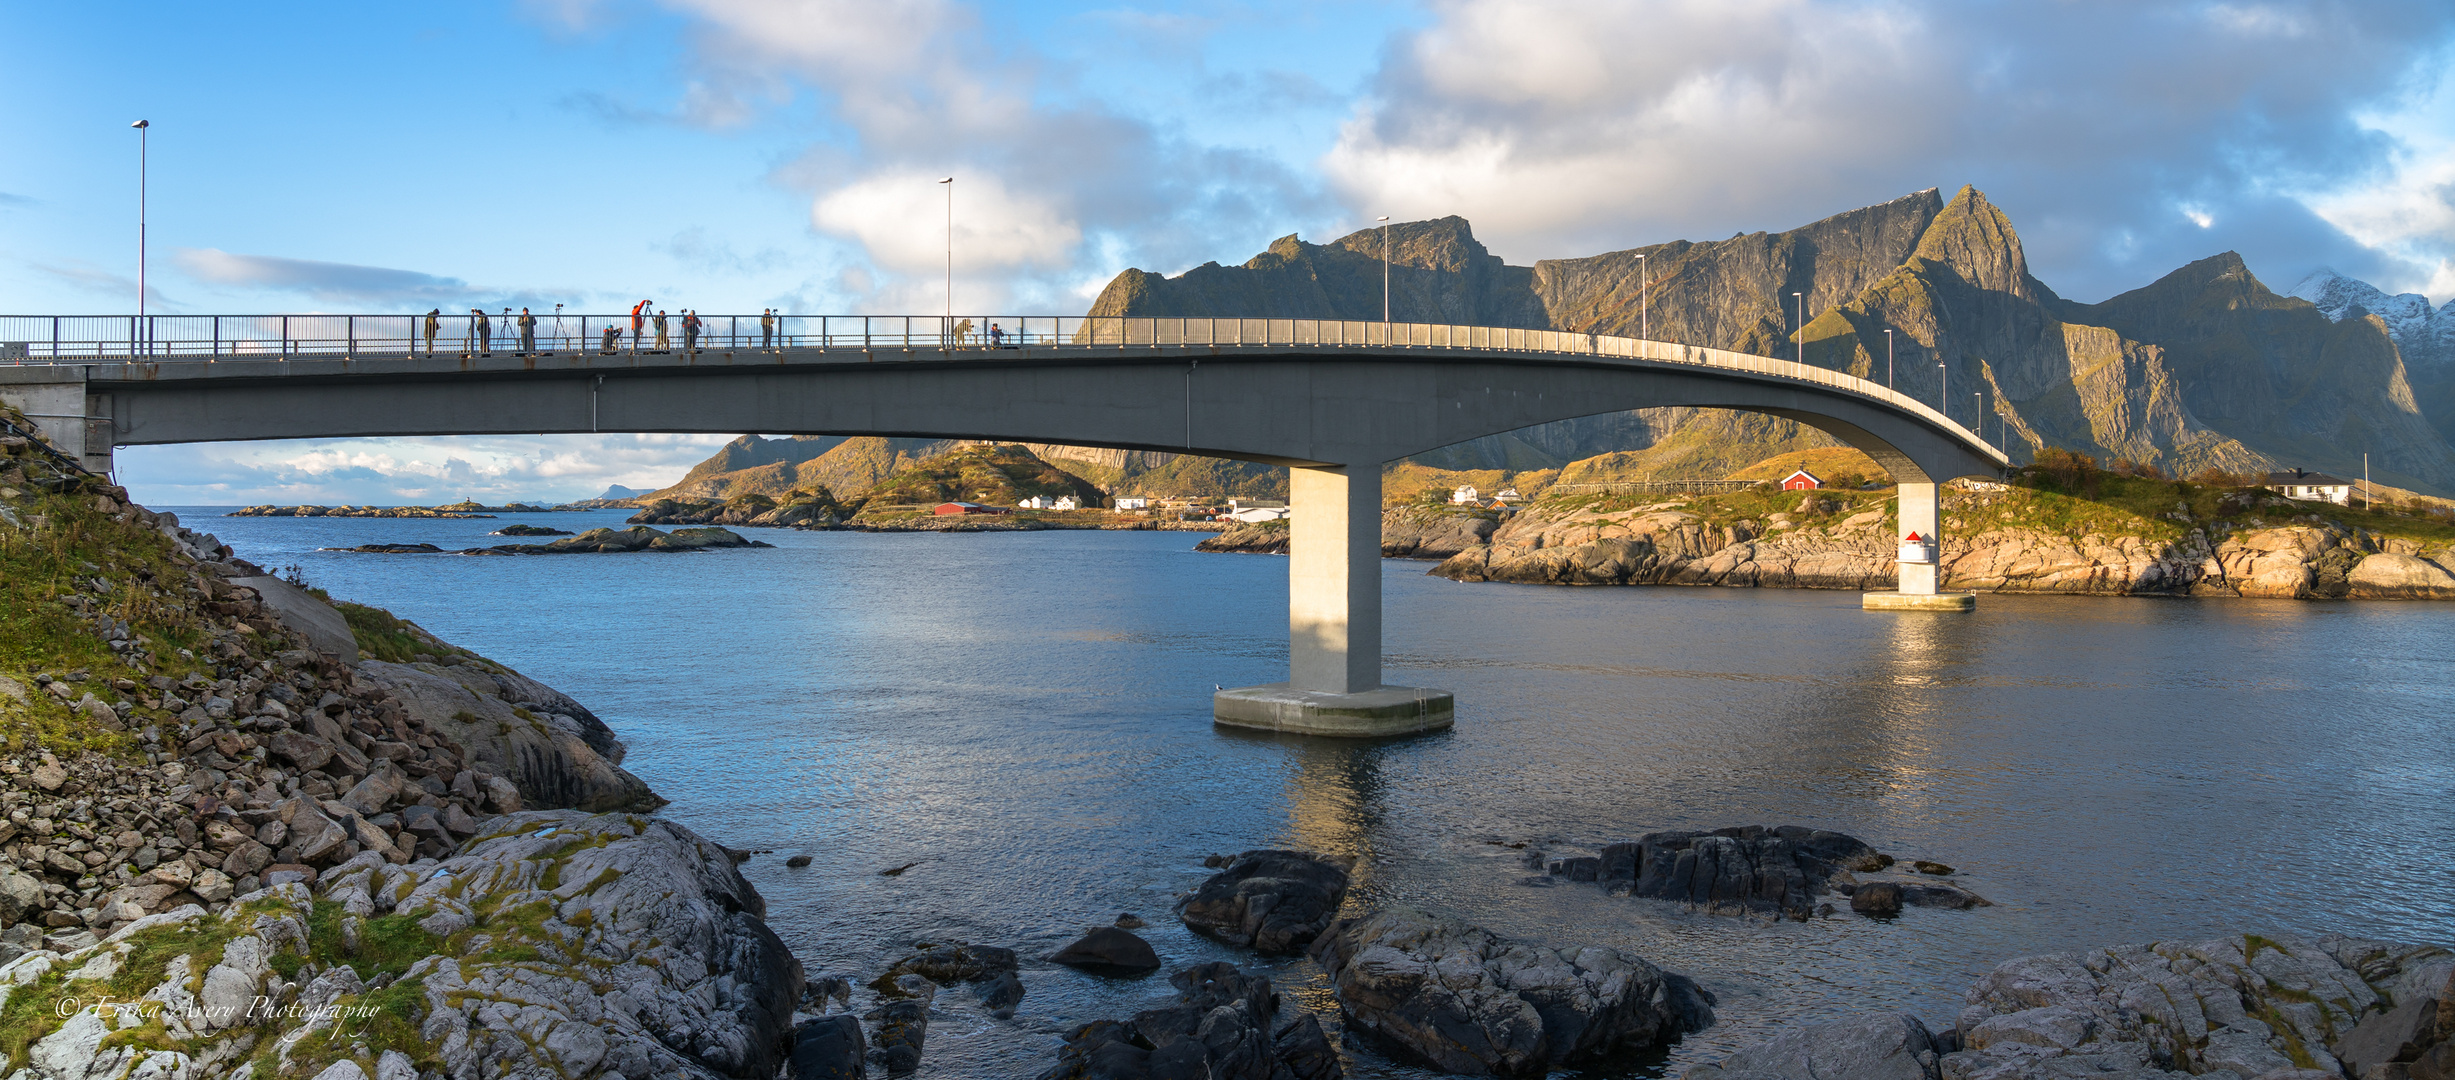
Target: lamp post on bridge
950 250
1385 320
1945 398
143 128
1645 294
1887 359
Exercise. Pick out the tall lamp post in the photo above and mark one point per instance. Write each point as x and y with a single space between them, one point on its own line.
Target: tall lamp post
1945 398
1887 359
950 251
1385 320
143 129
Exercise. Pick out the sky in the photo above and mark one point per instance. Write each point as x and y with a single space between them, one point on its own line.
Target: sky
734 155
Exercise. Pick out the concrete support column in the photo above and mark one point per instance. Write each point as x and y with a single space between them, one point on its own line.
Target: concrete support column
60 412
1334 579
1921 513
1334 622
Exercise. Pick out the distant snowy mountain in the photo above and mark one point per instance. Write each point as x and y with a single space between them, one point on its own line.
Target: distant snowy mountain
2425 335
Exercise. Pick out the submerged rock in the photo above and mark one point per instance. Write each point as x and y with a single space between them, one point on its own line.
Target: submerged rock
1220 1027
1275 902
829 1048
1108 950
1439 992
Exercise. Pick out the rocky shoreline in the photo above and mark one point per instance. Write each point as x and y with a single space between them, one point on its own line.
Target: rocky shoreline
1846 542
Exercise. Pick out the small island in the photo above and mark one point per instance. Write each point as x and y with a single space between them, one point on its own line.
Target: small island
594 541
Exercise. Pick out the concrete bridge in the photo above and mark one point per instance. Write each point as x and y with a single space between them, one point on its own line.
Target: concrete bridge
1334 401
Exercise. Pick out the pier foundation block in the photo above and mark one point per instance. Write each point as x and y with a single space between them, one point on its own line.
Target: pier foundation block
1386 711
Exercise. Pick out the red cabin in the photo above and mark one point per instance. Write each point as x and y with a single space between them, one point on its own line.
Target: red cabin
968 508
1802 480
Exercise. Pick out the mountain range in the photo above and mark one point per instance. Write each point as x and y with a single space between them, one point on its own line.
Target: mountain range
2204 368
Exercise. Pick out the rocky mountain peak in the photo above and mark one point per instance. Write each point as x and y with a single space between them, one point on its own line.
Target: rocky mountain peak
2425 334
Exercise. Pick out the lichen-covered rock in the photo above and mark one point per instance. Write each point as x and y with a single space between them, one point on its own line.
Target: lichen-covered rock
1879 1046
1457 998
1276 902
2256 1006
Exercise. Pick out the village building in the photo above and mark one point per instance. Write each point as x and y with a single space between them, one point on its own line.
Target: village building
949 508
2311 486
1801 480
1465 495
1133 502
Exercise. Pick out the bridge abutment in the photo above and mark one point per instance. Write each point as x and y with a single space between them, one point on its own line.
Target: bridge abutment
73 421
1334 622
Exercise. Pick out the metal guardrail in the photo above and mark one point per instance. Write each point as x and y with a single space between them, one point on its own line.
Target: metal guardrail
84 339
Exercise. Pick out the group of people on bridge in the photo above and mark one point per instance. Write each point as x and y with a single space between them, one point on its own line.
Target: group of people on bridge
478 338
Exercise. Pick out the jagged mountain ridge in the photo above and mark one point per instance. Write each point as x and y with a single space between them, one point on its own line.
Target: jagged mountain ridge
2425 335
2204 368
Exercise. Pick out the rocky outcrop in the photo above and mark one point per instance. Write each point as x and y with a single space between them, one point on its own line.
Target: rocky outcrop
1435 991
1779 870
750 512
553 758
1274 902
1262 538
1417 532
2320 1008
631 948
1220 1027
594 541
1672 543
529 530
1108 950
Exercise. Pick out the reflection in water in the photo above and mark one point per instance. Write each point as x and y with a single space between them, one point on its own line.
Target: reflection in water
1027 715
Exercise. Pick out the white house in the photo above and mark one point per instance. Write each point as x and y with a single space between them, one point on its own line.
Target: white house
1067 502
2315 487
1506 495
1037 502
1253 514
1466 495
1133 502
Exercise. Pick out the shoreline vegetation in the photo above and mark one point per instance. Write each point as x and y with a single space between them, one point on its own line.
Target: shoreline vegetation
253 831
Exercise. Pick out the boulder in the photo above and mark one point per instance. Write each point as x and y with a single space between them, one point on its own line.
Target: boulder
1110 951
1878 1046
901 1028
1001 994
305 614
552 766
1442 993
829 1048
1276 902
2388 576
949 964
1219 1028
1878 898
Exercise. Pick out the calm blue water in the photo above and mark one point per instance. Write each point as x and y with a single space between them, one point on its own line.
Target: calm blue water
1026 717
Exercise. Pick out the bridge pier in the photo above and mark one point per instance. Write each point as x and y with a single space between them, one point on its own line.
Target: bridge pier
1921 515
1334 622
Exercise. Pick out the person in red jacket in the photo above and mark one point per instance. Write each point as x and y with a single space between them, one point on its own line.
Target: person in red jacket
639 321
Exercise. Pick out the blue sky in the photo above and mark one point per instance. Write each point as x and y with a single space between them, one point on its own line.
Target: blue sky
730 155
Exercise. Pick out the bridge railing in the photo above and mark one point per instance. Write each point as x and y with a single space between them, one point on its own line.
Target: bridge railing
46 339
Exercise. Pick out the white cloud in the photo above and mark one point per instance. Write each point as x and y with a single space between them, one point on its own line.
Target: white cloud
1562 127
2407 208
900 218
322 280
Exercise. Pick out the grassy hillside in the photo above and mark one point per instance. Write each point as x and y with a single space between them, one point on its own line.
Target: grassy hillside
996 475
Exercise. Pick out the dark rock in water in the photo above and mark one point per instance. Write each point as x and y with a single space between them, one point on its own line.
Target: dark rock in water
1273 901
1108 950
797 861
1130 921
1876 898
1455 997
393 549
829 1048
1306 1051
1879 1046
1214 862
1954 897
1001 994
821 989
1220 1027
949 964
1746 869
529 530
900 1028
1924 867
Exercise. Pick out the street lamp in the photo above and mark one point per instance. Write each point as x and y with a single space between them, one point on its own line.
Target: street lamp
1887 359
950 248
143 129
1946 397
1385 321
